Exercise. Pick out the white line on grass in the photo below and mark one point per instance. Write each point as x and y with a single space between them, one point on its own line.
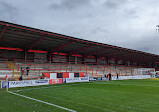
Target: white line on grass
123 84
42 102
43 87
75 102
62 98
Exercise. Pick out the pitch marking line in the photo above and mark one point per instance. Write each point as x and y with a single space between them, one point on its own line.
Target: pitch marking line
43 102
44 87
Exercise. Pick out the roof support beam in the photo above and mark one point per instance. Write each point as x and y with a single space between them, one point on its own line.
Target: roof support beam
79 50
60 47
36 42
3 31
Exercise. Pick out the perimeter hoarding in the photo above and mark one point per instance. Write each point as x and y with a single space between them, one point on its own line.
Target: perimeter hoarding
55 81
79 79
132 77
12 84
4 84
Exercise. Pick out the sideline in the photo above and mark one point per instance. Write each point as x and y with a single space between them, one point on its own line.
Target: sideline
42 102
124 84
42 87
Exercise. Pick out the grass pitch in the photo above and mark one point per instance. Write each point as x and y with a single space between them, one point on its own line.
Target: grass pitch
113 96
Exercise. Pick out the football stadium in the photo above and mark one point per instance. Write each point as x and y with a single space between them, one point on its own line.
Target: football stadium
42 71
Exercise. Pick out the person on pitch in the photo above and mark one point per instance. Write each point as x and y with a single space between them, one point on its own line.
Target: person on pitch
22 71
110 76
27 68
117 76
20 78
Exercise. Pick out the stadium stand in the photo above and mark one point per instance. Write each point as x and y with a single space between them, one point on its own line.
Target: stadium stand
23 47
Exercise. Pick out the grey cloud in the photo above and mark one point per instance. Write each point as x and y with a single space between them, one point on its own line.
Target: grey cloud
7 11
125 23
70 4
99 30
113 4
132 13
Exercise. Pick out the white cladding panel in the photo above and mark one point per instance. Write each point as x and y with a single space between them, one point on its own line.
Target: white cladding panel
53 75
71 75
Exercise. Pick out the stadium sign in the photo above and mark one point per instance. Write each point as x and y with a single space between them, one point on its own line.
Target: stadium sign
84 78
27 82
55 81
132 77
4 84
12 84
92 79
79 79
41 81
103 78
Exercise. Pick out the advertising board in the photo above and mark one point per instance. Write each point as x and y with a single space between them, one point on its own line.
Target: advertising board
4 84
103 78
77 79
132 77
25 83
92 79
55 81
64 80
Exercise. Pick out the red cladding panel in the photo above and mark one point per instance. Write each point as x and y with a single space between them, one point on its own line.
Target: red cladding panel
81 74
46 74
77 55
66 75
37 51
55 53
55 81
10 48
64 54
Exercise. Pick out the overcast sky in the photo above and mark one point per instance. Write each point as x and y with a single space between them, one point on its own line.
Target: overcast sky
125 23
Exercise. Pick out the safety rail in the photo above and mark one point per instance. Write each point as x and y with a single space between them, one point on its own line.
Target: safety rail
59 70
61 67
3 59
58 62
98 70
77 65
11 70
28 78
68 62
86 71
98 67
